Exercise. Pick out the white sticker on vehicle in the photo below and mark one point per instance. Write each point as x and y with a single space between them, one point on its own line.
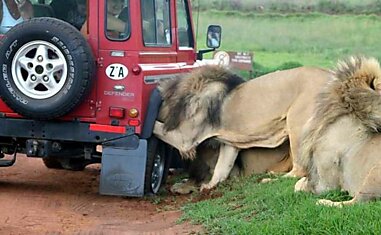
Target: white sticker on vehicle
116 71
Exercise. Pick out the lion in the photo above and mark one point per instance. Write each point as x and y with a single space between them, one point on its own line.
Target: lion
249 162
212 103
340 146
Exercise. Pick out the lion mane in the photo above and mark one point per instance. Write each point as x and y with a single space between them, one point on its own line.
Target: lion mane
201 91
351 91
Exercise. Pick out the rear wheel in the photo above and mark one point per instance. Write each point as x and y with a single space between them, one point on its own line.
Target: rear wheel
158 159
52 163
72 164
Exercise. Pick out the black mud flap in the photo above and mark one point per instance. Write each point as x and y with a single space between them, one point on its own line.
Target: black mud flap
123 169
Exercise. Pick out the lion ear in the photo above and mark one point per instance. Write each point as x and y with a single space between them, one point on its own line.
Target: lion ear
376 85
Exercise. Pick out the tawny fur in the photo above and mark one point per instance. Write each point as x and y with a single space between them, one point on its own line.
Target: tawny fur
349 104
350 92
212 104
249 162
204 88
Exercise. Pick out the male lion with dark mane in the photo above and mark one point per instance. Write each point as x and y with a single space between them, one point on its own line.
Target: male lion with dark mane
213 104
341 146
249 162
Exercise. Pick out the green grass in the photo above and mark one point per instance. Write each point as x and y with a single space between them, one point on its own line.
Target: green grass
279 42
287 6
275 59
309 39
247 207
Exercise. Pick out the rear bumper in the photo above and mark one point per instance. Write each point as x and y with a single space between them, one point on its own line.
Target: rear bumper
57 130
124 156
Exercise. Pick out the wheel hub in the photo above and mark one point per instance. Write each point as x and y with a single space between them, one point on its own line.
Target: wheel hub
157 172
39 70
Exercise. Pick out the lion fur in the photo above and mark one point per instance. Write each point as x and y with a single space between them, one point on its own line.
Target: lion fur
340 134
261 113
204 88
350 92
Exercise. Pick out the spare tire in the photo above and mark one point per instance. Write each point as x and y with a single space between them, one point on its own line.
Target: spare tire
47 68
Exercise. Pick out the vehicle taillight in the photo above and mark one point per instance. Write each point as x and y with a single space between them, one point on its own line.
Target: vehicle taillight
115 112
133 122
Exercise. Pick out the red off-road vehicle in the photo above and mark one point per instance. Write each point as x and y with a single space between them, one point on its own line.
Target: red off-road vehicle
82 74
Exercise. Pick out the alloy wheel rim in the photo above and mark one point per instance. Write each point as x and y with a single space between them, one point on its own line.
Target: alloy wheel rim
157 172
39 70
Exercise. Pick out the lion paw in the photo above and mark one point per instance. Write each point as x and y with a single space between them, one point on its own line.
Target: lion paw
301 185
267 180
295 173
206 188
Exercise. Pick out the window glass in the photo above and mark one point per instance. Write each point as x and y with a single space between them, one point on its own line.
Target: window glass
71 11
156 23
39 1
118 19
184 24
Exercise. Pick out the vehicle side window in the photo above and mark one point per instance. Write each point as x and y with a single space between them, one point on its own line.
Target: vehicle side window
184 24
72 11
38 1
118 19
13 13
156 22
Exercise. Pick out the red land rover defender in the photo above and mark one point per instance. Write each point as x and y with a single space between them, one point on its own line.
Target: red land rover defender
82 74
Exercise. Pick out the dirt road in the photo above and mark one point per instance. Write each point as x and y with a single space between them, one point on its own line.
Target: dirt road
37 200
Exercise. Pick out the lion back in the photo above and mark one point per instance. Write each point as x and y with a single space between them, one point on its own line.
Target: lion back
353 90
203 90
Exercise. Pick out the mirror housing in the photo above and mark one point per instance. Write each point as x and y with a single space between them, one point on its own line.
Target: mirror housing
213 40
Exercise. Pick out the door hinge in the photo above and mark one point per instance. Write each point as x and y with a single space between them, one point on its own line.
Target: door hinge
100 62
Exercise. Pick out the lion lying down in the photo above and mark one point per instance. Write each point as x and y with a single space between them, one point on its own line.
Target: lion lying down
342 145
213 103
249 161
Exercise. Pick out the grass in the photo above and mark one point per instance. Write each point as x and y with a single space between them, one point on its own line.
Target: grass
323 6
308 39
280 41
247 207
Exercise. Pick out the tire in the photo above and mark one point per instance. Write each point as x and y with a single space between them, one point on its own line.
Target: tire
72 164
52 163
47 68
157 165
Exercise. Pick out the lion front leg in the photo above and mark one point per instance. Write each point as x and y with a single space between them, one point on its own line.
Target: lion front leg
296 172
227 156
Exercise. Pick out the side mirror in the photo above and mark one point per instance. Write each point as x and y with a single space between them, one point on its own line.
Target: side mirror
213 38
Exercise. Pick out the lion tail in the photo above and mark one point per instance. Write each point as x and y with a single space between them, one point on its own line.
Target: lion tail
354 89
202 91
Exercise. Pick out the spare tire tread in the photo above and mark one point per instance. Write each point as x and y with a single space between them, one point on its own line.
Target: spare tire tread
78 47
